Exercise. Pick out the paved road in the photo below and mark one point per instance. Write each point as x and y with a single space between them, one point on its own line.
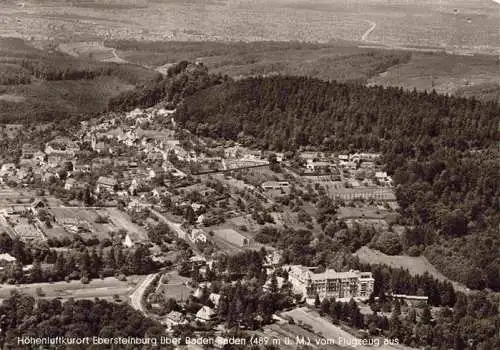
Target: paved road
137 296
369 31
173 225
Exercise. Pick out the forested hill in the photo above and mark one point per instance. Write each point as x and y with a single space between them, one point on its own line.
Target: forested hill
441 151
283 113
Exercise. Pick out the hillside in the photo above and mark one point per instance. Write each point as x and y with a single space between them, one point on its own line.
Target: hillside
440 151
461 75
38 85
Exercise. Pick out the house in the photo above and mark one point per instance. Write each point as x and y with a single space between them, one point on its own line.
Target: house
100 147
6 260
48 176
106 184
68 185
411 299
215 299
159 192
128 242
367 165
206 314
319 166
275 185
351 165
174 318
62 145
273 258
7 168
28 151
37 204
39 156
279 280
121 163
81 168
12 130
382 177
197 235
156 173
369 156
72 183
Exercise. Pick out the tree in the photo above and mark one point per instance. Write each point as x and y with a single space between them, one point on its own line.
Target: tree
190 215
426 317
36 274
317 302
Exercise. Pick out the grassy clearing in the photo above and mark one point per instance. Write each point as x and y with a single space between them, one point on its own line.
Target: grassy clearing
416 265
97 288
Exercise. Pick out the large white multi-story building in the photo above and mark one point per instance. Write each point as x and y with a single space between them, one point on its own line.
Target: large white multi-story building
341 285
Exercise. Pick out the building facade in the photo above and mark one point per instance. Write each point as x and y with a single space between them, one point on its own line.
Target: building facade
340 285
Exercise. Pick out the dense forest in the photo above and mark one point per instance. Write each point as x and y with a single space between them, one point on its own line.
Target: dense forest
25 316
182 80
439 149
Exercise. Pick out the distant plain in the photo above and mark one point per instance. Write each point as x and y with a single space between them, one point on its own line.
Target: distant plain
456 25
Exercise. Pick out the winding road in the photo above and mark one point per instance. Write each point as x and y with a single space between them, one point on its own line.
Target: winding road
369 31
138 294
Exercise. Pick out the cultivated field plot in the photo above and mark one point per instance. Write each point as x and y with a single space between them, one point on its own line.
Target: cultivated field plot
364 212
376 193
105 288
90 223
10 196
415 265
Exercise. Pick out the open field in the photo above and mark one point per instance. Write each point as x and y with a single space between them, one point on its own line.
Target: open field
452 24
67 218
97 288
415 265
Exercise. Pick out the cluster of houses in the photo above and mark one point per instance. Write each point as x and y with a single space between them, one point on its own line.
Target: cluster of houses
323 163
